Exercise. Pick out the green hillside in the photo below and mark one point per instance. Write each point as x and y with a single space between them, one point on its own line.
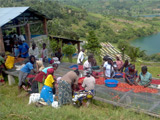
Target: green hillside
117 7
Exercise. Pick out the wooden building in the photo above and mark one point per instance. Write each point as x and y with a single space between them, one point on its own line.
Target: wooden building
17 17
66 41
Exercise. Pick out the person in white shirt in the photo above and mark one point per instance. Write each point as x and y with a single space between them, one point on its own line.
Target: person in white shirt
89 82
21 37
34 50
87 64
80 57
109 69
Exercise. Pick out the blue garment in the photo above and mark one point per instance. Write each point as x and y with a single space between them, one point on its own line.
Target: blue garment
126 69
23 49
16 52
47 94
27 68
45 69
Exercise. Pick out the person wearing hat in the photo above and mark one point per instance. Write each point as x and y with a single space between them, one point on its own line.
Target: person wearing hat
46 92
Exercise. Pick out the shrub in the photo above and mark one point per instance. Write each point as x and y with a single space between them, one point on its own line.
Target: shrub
68 50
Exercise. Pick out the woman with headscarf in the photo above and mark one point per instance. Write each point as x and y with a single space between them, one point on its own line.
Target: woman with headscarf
37 83
131 75
47 92
119 62
66 86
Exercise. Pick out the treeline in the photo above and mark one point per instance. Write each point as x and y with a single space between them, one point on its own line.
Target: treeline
75 23
117 7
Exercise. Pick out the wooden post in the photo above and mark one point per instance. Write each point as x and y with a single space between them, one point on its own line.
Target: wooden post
28 33
78 47
45 26
2 50
18 30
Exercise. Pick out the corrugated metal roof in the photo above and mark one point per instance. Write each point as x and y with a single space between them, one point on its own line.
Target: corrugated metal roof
9 13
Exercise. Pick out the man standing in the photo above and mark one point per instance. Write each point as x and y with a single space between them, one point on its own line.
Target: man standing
87 64
58 54
23 49
80 57
34 50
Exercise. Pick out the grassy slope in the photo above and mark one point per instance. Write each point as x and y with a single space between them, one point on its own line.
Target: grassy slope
116 23
16 108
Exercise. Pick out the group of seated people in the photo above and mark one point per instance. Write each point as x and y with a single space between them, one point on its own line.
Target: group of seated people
111 69
129 71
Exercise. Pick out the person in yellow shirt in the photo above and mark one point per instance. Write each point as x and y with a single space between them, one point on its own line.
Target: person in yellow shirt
47 92
49 81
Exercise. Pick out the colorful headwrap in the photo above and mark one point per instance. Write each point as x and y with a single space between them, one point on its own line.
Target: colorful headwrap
50 71
131 68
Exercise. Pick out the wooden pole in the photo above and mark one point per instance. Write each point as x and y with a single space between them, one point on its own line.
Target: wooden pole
2 50
45 26
28 33
78 47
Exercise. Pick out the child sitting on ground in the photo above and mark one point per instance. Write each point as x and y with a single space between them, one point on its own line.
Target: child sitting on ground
145 77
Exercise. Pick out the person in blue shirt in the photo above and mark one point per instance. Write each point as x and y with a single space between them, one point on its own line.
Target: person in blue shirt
145 78
24 72
23 49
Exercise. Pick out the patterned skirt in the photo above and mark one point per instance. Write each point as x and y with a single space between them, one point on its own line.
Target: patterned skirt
64 93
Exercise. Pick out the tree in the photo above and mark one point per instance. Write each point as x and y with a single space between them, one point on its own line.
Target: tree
68 50
123 45
133 53
93 46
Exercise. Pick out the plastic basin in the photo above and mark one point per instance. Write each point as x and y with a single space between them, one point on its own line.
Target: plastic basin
118 75
111 83
74 66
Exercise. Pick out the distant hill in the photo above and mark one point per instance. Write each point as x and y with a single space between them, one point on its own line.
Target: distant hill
116 7
72 20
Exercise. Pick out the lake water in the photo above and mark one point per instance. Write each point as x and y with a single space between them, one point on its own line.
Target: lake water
150 43
158 15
